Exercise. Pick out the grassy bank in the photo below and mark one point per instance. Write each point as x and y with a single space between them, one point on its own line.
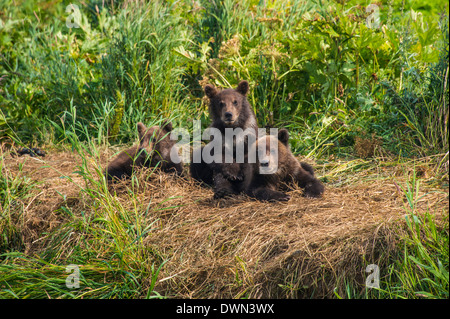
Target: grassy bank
367 105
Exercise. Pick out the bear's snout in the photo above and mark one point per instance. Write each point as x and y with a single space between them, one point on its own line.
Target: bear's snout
228 115
264 163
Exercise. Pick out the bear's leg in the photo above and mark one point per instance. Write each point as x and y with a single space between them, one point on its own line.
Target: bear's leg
202 172
113 175
307 168
264 193
232 171
222 186
313 187
174 168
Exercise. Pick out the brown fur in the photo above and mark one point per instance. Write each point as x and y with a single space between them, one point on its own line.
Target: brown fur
289 169
228 108
153 150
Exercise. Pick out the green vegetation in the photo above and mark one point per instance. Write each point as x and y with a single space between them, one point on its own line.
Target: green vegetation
345 91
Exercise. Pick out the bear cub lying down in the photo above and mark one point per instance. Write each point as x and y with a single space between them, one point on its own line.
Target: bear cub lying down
279 169
282 168
154 149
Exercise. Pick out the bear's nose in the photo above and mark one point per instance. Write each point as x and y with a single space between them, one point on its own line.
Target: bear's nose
228 115
264 163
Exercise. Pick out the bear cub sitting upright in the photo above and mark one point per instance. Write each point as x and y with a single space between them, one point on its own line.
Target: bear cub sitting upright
228 109
154 149
279 165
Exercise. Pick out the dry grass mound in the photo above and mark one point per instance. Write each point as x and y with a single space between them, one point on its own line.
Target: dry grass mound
239 247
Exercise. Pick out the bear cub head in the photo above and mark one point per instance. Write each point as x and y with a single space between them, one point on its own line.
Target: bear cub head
273 152
230 106
276 163
158 147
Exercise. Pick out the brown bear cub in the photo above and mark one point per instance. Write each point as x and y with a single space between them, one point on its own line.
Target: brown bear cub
228 108
280 168
154 150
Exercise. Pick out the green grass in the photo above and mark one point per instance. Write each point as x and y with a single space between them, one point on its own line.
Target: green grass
13 191
422 269
105 239
25 277
419 267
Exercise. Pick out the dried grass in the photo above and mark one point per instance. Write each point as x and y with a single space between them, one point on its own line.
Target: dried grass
239 247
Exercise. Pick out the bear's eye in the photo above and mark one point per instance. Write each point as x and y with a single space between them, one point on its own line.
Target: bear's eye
222 104
235 102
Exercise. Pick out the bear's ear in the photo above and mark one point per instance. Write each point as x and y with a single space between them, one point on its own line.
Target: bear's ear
283 136
210 91
242 87
167 126
142 129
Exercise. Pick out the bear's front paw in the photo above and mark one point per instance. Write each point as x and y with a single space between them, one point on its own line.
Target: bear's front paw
269 195
222 193
233 173
222 186
279 197
235 178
